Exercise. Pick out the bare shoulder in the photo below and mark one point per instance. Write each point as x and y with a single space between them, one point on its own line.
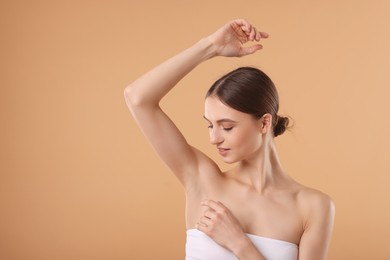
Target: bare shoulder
317 212
310 196
315 204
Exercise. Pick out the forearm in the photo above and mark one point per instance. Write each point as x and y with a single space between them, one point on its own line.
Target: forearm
150 88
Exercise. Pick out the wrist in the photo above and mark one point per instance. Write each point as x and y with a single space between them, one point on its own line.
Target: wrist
245 250
208 47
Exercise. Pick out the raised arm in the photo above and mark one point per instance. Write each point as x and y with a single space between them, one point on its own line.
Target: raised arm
144 94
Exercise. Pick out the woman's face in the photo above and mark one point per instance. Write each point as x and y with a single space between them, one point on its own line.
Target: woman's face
237 135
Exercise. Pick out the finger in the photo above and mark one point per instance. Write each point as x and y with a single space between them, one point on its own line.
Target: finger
244 24
250 50
218 207
249 29
212 204
201 227
264 34
205 221
258 36
210 213
252 34
261 35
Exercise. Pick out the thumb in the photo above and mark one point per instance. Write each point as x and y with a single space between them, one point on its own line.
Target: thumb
250 49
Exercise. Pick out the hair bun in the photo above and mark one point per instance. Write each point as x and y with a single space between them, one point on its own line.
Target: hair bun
281 125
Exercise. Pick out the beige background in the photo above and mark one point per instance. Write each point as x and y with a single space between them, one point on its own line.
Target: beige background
78 181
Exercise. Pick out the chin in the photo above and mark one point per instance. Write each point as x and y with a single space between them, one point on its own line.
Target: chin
229 160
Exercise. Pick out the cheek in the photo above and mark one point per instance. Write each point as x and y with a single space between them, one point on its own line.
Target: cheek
248 141
253 143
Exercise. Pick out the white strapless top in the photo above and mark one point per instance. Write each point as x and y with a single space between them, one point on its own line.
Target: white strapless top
199 246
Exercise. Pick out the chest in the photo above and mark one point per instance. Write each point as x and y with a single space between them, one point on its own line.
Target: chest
274 215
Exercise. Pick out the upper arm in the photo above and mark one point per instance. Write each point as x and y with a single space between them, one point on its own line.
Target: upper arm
319 218
168 142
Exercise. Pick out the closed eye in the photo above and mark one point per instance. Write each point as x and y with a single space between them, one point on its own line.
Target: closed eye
227 128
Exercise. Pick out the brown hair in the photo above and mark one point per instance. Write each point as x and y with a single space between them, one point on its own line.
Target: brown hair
250 90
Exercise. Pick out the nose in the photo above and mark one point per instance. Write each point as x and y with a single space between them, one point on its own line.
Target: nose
215 137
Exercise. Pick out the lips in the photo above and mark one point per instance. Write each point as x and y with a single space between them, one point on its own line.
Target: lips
223 151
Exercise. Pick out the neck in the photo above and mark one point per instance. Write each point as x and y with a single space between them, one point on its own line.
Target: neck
263 171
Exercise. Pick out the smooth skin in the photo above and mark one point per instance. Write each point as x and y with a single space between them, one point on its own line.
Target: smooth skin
256 196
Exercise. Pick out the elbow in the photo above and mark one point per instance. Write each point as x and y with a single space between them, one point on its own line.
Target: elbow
137 99
127 94
130 97
131 100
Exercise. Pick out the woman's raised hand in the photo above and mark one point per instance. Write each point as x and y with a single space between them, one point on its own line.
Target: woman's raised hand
229 40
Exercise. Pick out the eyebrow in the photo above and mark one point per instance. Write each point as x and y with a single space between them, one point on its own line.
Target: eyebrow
222 120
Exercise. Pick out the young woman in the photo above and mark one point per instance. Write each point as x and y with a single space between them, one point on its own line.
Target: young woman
255 210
